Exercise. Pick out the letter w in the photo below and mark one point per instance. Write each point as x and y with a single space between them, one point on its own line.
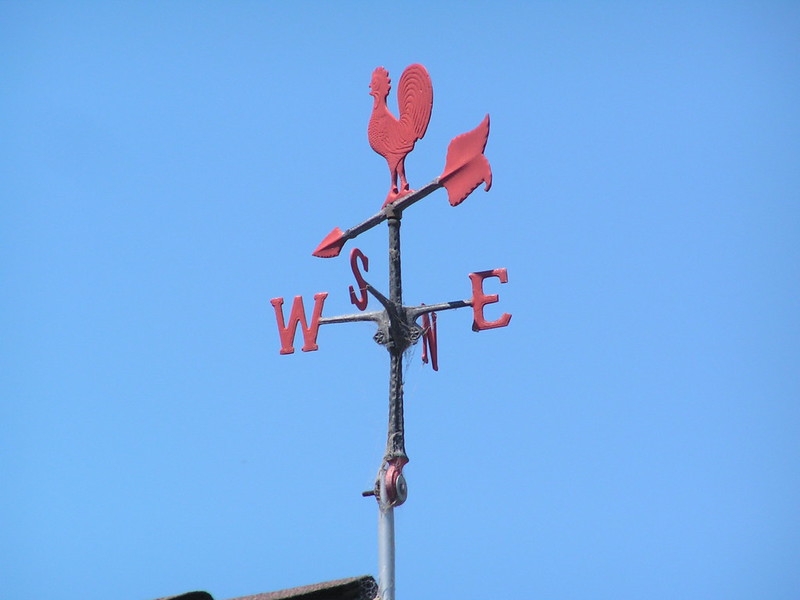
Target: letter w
298 315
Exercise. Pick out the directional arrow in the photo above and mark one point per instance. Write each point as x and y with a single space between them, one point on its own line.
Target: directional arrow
465 169
334 242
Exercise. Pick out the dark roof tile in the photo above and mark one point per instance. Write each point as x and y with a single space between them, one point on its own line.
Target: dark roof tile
190 596
354 588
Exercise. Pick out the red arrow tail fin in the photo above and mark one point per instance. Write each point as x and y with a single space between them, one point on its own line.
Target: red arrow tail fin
465 166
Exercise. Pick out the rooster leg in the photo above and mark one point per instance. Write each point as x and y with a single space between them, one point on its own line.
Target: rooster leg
395 168
401 171
393 193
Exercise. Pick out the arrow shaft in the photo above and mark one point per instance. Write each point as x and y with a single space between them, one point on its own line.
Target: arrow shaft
416 311
376 316
395 208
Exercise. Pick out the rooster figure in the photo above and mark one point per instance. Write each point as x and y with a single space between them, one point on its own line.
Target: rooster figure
394 138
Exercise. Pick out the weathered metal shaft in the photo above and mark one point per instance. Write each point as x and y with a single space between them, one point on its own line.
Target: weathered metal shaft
395 443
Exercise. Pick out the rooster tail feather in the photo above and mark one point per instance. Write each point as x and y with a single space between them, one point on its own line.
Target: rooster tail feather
465 166
415 101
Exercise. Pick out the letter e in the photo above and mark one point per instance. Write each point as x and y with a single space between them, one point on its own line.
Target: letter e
480 299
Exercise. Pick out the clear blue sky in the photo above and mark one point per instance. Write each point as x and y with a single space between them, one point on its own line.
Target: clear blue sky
167 168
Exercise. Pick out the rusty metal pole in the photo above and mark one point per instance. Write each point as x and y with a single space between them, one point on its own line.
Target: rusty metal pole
399 336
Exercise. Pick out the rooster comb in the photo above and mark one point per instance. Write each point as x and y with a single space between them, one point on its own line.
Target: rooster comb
381 72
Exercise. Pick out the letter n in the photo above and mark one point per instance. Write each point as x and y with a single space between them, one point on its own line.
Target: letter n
430 341
298 316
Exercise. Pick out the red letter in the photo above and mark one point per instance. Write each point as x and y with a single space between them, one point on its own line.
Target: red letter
479 300
298 315
361 303
429 342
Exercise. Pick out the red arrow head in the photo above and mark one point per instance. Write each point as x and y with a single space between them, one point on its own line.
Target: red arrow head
331 246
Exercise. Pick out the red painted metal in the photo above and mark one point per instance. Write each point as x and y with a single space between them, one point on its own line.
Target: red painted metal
393 138
480 299
466 167
298 316
331 245
430 343
360 303
396 490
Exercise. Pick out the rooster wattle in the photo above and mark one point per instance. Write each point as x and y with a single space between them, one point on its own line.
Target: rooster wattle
393 138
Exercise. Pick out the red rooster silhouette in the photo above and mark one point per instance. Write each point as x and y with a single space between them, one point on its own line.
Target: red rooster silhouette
394 138
466 166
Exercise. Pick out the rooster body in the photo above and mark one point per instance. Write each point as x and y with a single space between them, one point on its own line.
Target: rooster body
393 138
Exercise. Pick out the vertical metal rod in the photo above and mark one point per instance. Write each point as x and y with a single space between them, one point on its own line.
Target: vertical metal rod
395 443
395 447
395 279
385 545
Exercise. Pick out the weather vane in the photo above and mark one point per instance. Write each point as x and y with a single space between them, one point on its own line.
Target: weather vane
399 326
